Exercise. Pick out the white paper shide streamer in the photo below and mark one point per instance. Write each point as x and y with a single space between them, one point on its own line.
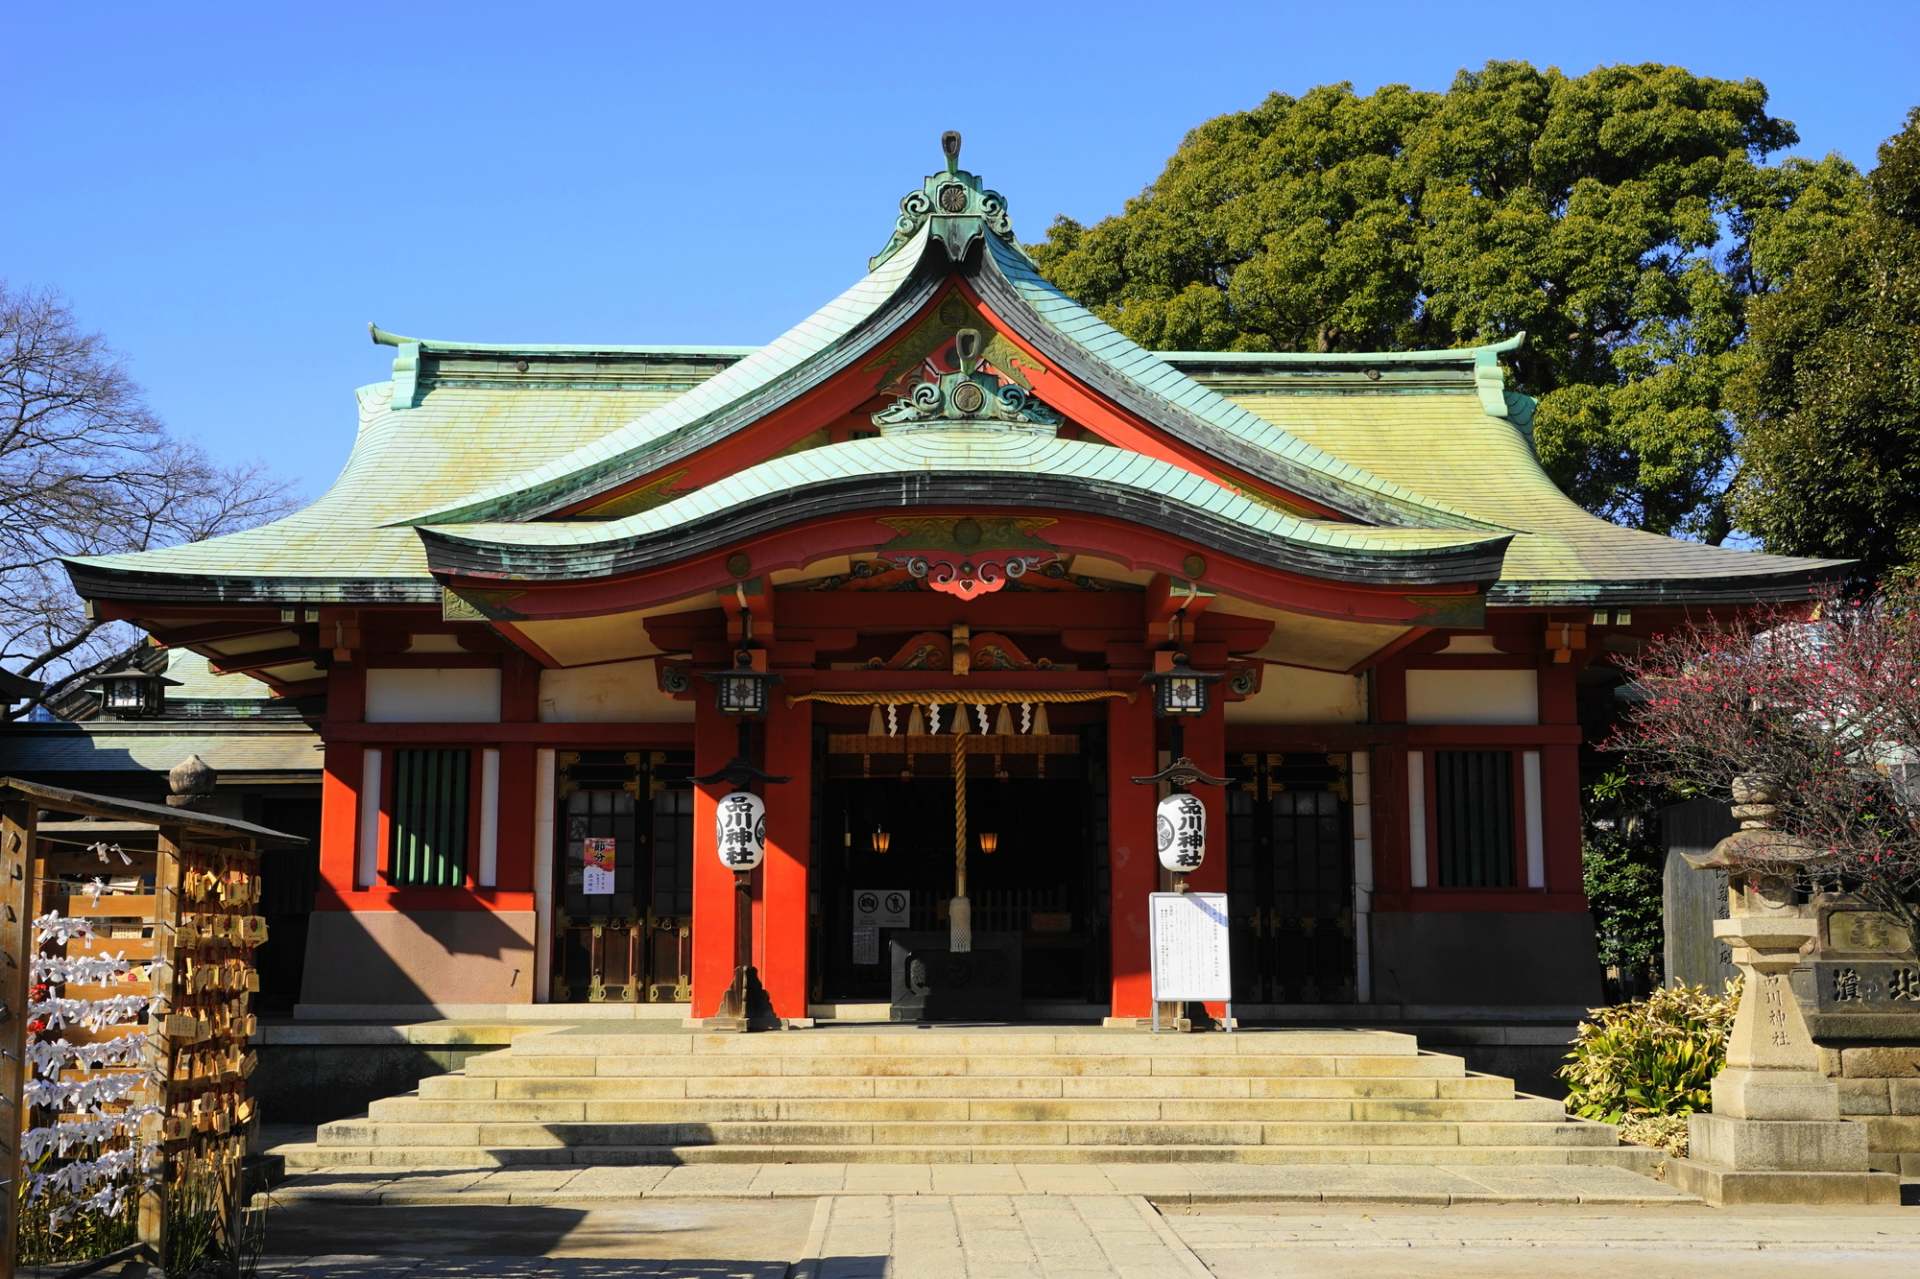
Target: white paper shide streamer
90 1159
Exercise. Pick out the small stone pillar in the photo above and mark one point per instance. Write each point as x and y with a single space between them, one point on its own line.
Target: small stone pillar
1775 1134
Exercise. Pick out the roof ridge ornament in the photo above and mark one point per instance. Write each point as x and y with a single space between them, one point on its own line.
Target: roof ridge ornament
969 396
956 203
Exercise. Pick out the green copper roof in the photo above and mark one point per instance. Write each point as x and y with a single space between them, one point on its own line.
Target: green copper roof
1116 479
195 680
233 749
1448 445
1426 452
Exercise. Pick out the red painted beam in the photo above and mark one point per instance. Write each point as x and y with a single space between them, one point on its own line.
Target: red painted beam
635 736
1132 545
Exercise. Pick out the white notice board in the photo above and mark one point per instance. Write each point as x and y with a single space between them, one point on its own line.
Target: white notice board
881 907
1189 941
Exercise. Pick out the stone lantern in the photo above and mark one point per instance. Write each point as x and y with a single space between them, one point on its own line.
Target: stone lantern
1775 1134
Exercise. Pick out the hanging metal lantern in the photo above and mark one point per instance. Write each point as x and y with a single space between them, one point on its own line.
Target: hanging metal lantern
1178 689
741 690
1180 824
741 826
132 692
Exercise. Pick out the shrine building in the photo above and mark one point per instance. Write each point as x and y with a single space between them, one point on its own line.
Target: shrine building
986 562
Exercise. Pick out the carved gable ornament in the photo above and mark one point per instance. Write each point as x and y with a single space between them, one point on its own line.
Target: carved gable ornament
958 207
969 397
966 557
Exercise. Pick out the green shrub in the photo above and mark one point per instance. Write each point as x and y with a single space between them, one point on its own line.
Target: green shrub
1651 1060
1621 876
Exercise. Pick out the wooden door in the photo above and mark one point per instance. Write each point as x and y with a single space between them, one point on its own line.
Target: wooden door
1290 880
635 942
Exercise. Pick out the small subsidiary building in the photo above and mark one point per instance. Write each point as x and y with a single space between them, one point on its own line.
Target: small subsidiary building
961 520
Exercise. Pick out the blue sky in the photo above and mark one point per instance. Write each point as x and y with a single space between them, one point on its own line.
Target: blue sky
230 192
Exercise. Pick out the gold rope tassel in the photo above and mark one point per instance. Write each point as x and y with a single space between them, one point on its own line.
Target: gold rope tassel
960 910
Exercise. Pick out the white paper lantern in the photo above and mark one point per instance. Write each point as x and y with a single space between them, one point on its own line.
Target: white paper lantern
1180 822
741 825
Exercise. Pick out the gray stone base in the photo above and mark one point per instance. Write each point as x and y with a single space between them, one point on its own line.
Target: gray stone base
1777 1145
1725 1187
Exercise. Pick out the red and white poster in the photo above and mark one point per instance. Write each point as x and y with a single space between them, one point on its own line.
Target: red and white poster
598 879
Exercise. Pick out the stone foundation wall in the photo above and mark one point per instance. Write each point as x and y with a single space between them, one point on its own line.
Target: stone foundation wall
1880 1086
1861 993
1486 958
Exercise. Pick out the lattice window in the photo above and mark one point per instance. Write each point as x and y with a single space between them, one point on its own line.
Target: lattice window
1473 818
427 847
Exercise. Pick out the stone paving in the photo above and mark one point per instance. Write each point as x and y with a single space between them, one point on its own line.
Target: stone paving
993 1237
1166 1184
1689 1239
1079 1236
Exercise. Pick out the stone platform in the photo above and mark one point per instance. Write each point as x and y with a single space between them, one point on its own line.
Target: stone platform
648 1094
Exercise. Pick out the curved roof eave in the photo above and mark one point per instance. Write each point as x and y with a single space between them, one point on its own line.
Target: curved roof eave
962 469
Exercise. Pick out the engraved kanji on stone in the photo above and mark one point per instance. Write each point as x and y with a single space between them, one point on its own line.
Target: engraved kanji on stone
1776 1010
1846 985
1904 984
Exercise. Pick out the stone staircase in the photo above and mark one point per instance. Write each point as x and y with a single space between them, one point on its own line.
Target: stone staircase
644 1095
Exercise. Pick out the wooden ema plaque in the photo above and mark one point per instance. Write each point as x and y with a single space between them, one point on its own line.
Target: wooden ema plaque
200 1021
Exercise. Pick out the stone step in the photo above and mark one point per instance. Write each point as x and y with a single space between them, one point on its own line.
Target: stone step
312 1156
982 1087
1138 1110
944 1043
361 1132
514 1062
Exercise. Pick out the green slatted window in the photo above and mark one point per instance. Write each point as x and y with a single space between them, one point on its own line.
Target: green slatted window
428 819
1473 818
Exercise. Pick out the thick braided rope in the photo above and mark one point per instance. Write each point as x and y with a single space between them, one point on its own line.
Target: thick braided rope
978 697
960 810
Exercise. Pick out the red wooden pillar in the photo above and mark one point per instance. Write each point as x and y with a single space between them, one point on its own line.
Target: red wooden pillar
514 870
340 789
714 740
781 950
1131 854
1392 831
1206 745
339 825
1560 782
519 704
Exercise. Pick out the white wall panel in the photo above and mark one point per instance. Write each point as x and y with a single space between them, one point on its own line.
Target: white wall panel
1473 697
488 871
438 695
615 692
367 864
1536 829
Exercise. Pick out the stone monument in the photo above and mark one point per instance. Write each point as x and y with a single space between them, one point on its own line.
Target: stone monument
1775 1134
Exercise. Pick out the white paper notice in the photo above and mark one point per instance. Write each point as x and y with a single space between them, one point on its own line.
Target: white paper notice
1189 939
597 879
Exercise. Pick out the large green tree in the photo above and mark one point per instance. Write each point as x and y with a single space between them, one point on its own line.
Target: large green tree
1620 217
1829 401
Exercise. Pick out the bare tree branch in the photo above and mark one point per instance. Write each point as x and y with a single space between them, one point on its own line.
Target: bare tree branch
1825 710
87 469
